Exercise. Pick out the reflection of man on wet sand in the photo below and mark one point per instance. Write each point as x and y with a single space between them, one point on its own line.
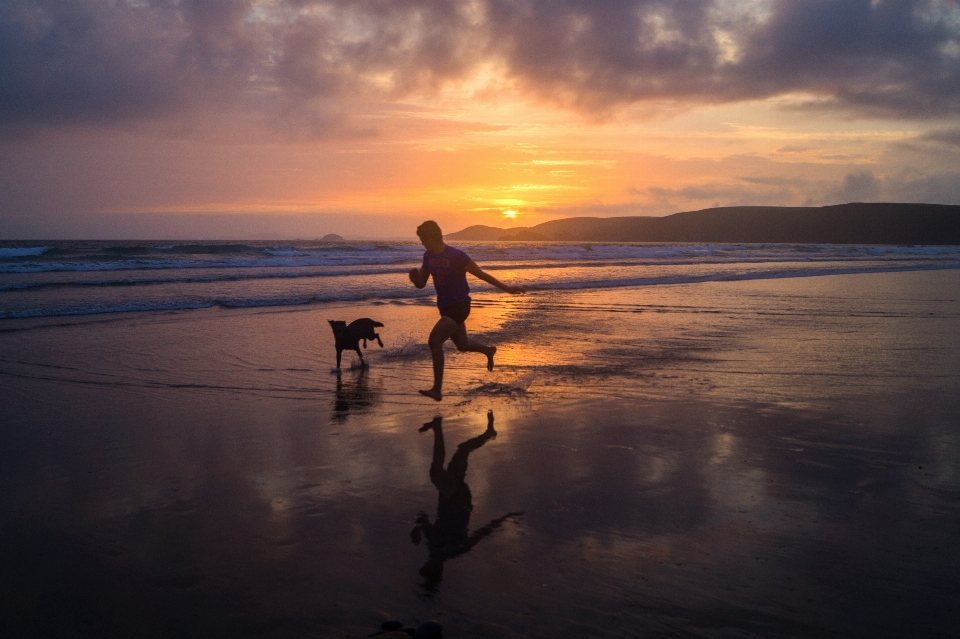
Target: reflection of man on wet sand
447 537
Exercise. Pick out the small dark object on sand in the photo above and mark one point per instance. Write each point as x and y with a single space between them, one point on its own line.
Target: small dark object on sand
391 625
349 336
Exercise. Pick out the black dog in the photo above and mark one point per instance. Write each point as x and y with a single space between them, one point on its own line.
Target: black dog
348 336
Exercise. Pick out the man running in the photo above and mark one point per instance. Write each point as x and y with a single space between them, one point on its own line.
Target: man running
449 267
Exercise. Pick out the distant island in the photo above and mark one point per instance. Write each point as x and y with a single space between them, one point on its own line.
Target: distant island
856 223
331 237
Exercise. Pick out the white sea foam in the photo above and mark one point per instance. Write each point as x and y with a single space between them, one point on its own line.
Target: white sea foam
525 380
405 346
96 309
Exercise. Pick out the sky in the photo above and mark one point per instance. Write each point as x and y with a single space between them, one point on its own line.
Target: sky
234 119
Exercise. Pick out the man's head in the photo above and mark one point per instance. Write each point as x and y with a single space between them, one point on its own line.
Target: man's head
429 229
430 236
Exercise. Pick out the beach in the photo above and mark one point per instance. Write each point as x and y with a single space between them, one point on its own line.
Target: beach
743 455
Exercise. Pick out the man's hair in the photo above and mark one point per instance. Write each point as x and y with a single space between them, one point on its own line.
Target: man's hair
430 230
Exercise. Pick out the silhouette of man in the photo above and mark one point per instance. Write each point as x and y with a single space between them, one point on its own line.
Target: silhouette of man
449 267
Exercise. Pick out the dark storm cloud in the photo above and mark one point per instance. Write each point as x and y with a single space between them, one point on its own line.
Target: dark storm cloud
64 61
81 61
898 57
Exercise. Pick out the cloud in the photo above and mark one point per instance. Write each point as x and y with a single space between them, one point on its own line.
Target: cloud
724 194
942 188
68 62
795 148
864 186
92 62
774 180
77 61
857 187
946 136
891 57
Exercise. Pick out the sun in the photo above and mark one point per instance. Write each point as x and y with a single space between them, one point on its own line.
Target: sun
510 214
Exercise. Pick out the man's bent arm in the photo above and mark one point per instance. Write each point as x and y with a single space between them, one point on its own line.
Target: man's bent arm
419 277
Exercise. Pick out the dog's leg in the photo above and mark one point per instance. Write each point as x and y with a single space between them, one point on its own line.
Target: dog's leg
364 342
377 335
362 363
339 353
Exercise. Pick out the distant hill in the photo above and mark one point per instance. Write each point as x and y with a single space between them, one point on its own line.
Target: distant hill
856 223
480 233
523 235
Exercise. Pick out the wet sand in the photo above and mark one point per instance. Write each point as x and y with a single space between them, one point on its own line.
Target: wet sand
773 458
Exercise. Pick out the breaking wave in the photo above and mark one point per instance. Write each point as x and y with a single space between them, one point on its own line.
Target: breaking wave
80 278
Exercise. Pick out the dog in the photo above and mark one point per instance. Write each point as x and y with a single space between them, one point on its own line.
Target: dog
349 336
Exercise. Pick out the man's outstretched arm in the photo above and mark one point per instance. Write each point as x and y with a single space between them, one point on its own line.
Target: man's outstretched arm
478 272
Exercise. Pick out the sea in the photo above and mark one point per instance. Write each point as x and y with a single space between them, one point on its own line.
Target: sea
71 278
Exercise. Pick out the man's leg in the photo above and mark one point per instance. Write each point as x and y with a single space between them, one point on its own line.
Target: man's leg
439 453
442 331
457 468
465 343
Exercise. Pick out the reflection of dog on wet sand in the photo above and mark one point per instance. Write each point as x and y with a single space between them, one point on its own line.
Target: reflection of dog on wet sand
354 395
349 336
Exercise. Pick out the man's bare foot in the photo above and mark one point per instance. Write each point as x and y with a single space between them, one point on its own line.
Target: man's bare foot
432 394
435 423
493 351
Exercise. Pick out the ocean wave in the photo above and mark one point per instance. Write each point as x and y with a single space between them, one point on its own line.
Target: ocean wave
183 249
173 264
96 309
27 251
85 278
340 270
698 251
197 279
103 256
734 276
176 304
377 289
351 270
69 256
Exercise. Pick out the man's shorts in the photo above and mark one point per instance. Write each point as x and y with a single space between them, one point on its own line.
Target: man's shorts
458 312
